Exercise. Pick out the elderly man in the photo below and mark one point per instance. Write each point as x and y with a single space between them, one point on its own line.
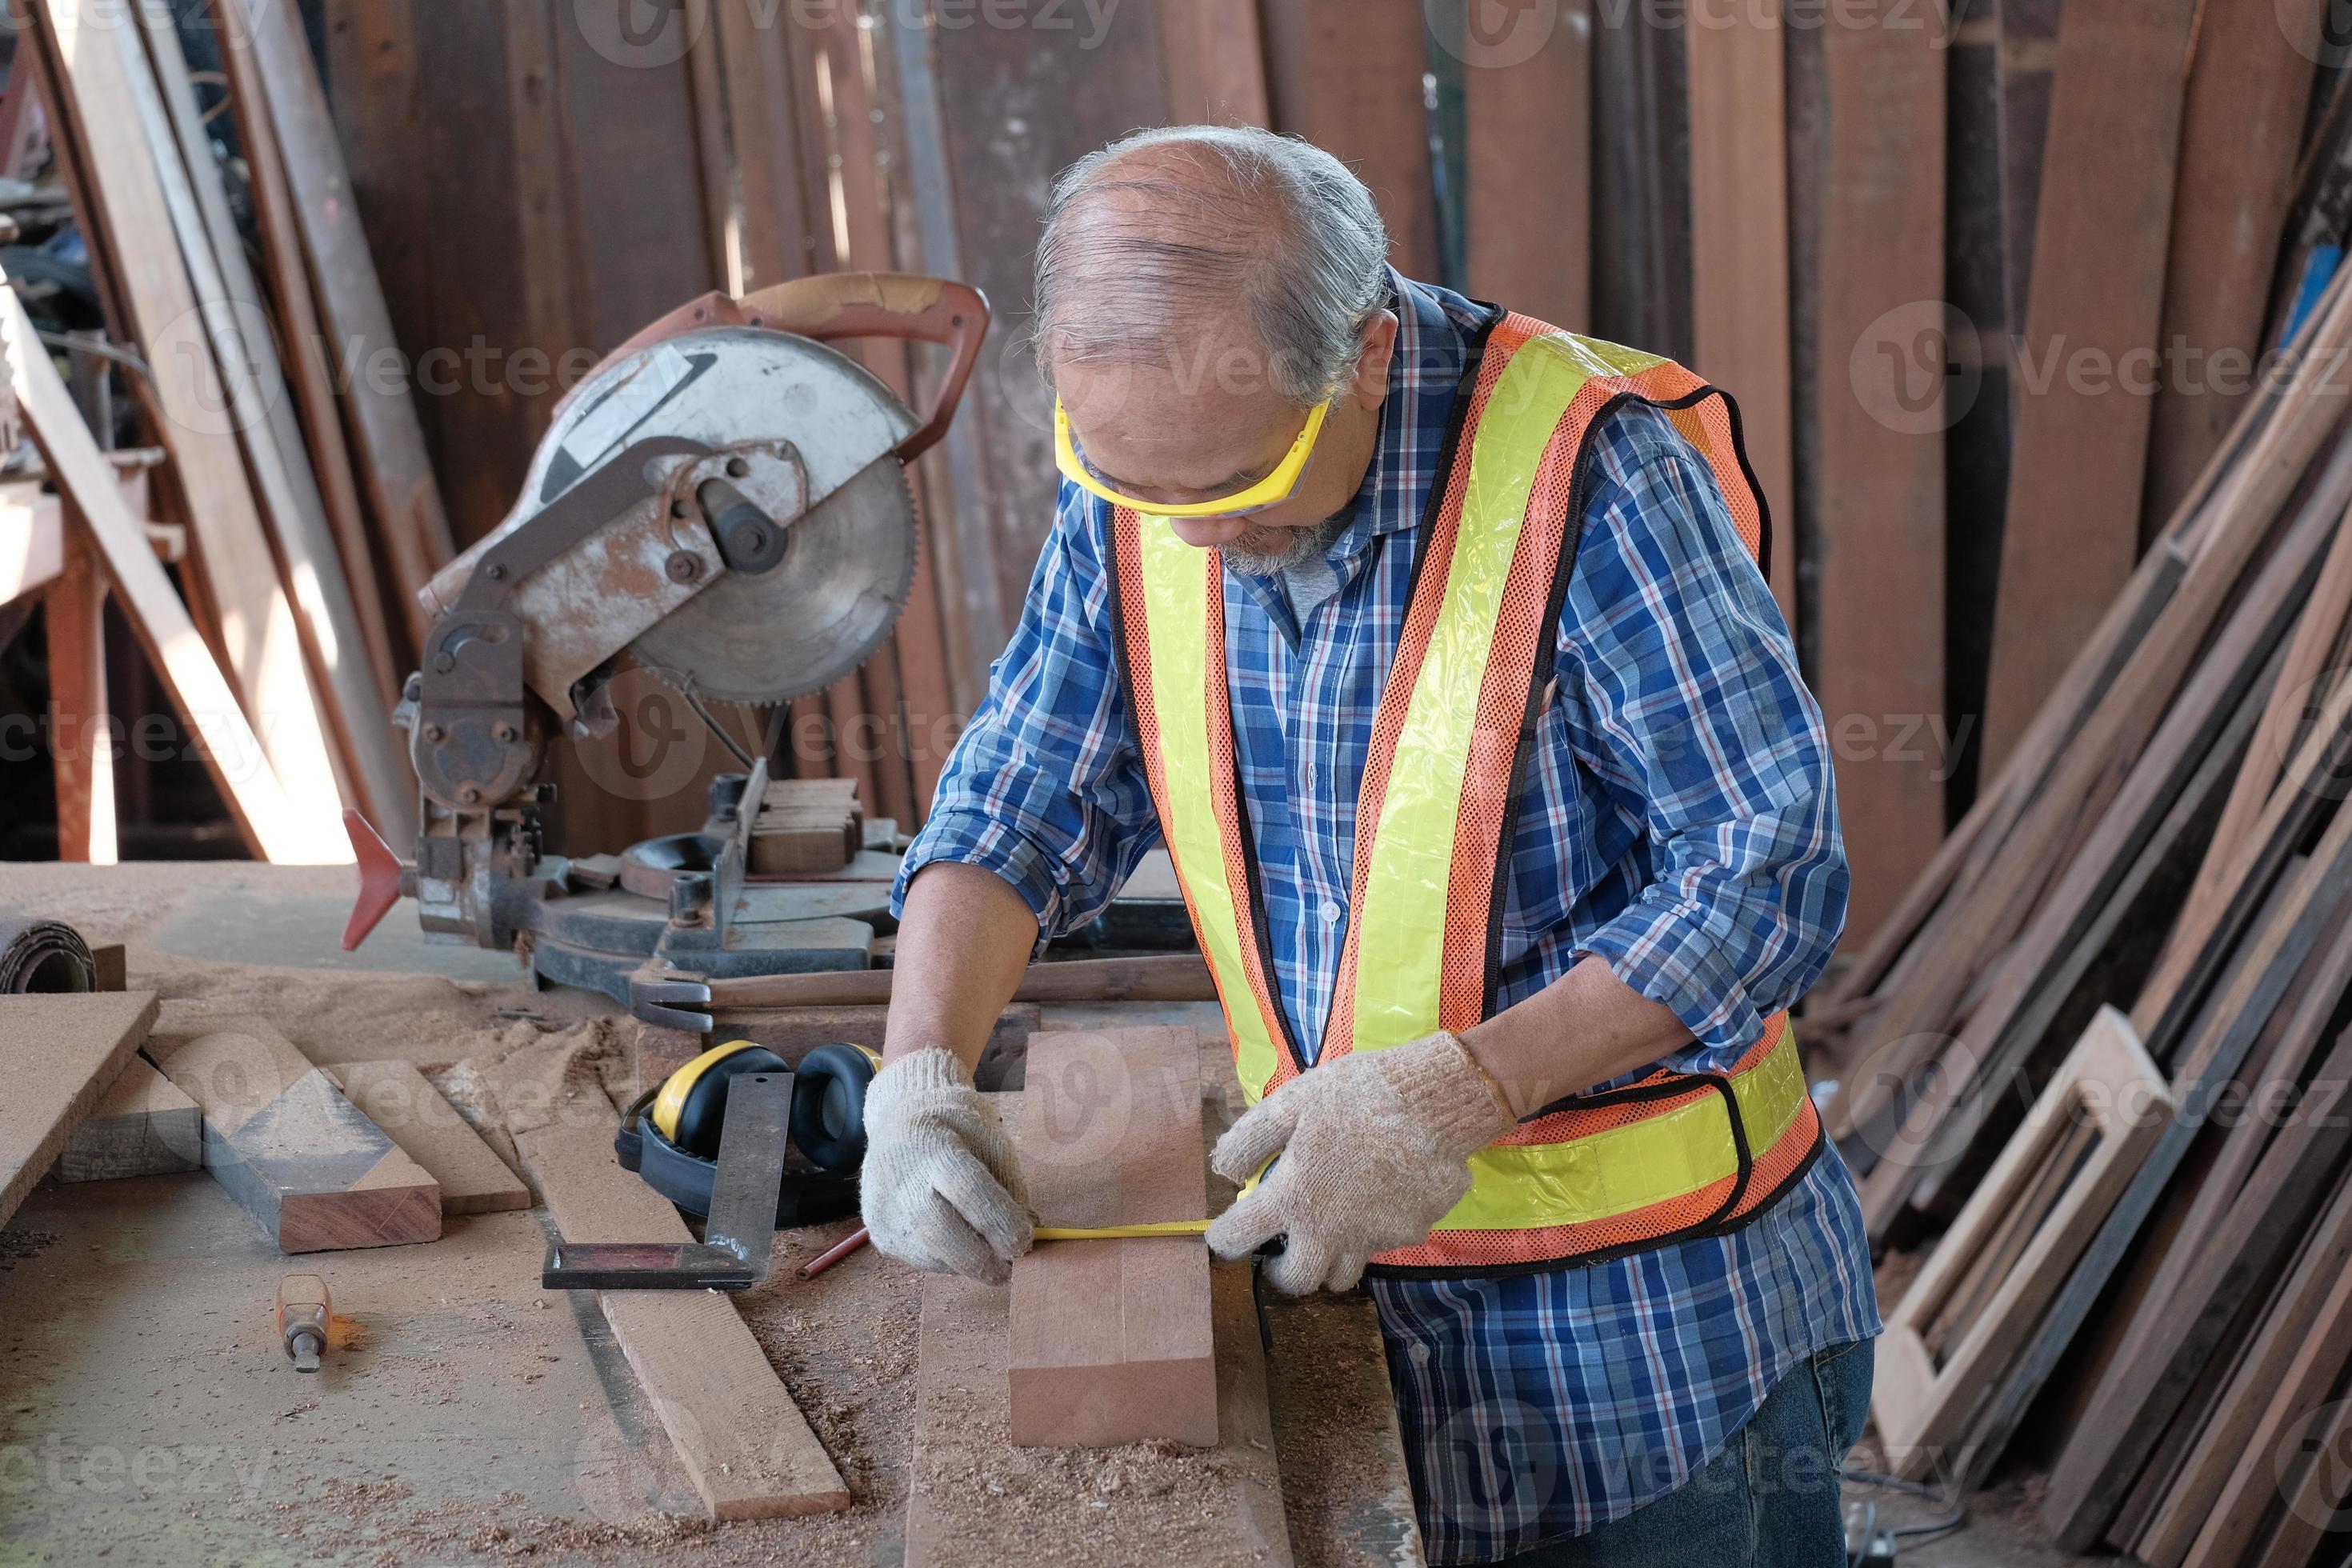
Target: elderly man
1433 642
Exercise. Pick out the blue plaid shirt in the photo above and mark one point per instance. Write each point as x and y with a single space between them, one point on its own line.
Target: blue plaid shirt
1678 820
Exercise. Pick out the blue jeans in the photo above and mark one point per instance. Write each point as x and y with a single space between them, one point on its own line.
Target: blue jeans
1768 1501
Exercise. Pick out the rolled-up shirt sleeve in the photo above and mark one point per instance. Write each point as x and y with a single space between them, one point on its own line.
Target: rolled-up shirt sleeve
1686 698
1045 787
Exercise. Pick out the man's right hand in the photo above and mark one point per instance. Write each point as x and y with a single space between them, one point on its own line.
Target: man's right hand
941 1188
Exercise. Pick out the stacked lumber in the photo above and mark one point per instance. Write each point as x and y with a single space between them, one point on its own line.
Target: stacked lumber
2163 862
280 646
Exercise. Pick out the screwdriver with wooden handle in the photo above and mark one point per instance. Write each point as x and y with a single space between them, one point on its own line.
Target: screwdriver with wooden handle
302 1313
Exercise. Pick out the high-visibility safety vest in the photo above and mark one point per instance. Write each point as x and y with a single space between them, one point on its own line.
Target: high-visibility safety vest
1671 1156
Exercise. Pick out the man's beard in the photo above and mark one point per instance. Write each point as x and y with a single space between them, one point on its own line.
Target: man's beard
1271 551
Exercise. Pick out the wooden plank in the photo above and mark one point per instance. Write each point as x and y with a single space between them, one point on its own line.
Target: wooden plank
231 753
276 70
734 1424
2267 968
2255 1487
1214 63
1347 77
60 1052
2072 528
312 418
1739 267
2249 89
2274 748
2195 1497
2231 1244
259 627
317 1173
353 684
81 734
402 1100
1527 154
1873 262
1641 181
144 1126
1345 1488
1110 1339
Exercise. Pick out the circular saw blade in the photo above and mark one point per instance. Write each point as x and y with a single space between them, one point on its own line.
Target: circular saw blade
848 565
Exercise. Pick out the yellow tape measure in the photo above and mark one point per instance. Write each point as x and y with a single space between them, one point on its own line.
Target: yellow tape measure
1106 1232
1153 1228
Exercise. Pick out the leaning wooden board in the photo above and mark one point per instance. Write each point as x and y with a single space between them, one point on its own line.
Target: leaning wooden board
2088 362
732 1421
281 1138
402 1102
58 1054
1110 1339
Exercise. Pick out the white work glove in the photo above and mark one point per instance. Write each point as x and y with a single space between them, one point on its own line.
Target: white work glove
1375 1149
941 1188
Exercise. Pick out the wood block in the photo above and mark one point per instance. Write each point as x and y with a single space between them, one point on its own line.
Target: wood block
141 1127
60 1052
1111 1340
279 1135
112 968
403 1102
961 1475
734 1423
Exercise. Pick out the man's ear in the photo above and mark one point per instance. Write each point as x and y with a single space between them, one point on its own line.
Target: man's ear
1371 387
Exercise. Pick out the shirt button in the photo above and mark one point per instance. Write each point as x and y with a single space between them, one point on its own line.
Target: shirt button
1307 775
1331 911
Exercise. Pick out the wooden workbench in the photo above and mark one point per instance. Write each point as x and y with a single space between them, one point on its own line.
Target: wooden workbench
469 1413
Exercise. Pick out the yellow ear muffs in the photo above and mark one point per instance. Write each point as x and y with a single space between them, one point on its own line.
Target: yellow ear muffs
691 1108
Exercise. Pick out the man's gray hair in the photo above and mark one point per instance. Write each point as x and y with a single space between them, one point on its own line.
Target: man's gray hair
1272 222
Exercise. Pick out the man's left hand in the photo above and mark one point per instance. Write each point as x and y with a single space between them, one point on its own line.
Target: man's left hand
1374 1150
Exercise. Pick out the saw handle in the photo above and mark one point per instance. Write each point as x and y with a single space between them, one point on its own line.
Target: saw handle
833 306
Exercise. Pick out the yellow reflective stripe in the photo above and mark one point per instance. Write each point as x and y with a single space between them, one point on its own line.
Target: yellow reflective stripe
1180 594
1523 1186
1401 929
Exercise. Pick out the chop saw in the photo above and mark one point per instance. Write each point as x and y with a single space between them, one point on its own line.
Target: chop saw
722 502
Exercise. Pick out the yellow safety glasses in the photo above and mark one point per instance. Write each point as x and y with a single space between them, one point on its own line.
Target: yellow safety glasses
1272 490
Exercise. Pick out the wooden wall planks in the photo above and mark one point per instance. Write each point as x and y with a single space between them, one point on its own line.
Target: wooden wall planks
1527 160
1347 77
1869 177
2250 85
1739 251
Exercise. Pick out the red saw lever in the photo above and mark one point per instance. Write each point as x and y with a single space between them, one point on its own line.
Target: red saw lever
379 878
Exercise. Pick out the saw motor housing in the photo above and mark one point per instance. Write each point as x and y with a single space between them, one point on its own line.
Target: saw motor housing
723 499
